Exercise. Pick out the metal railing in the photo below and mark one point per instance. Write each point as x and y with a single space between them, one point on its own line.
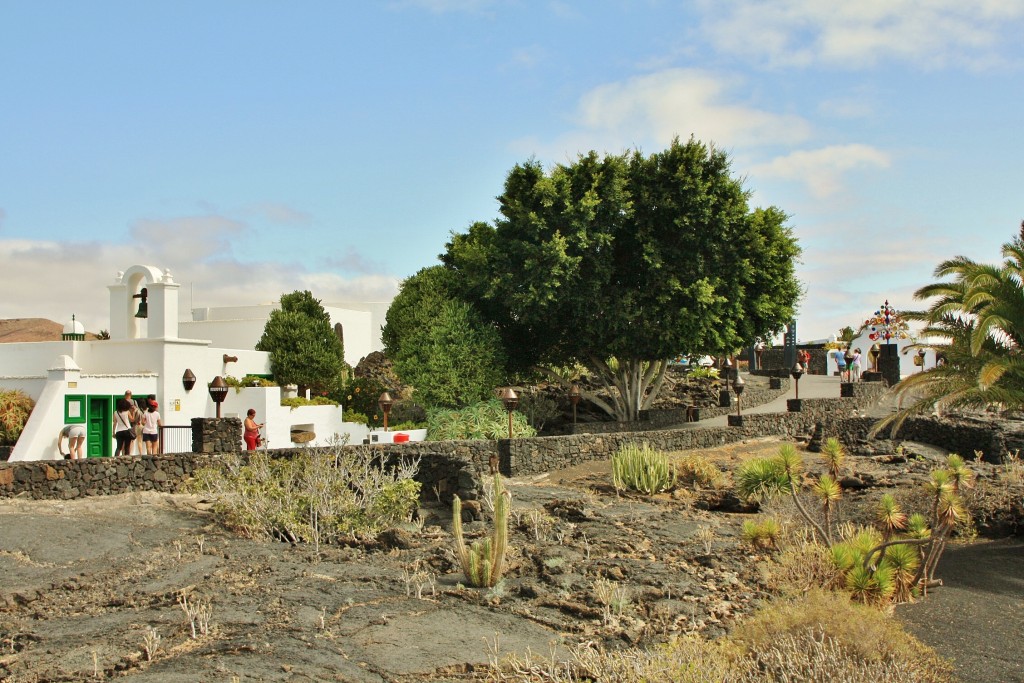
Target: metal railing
175 439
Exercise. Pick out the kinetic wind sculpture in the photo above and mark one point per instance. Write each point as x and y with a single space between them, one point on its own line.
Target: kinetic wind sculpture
887 324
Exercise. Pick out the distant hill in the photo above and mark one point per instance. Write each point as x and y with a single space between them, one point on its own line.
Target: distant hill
32 330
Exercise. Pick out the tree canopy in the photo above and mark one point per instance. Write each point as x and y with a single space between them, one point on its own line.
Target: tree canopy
622 262
303 347
440 344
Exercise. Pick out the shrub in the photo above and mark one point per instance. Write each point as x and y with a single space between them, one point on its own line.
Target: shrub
297 401
360 396
865 635
316 497
643 469
762 533
703 373
485 420
698 470
15 408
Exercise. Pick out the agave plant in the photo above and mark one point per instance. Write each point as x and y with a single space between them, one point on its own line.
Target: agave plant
960 476
643 469
904 561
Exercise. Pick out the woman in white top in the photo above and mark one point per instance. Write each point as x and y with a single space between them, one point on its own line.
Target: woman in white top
151 425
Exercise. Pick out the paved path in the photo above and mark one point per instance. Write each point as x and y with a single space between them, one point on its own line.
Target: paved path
811 386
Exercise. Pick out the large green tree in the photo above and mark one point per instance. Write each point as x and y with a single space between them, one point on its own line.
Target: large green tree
976 322
440 344
621 262
303 347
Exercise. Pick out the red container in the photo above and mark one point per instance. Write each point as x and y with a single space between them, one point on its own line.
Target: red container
401 437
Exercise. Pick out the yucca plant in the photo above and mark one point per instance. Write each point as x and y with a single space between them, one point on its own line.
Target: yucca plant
834 453
889 516
904 560
960 476
484 562
643 469
828 491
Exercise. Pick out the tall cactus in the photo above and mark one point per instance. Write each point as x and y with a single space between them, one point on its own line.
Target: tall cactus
484 562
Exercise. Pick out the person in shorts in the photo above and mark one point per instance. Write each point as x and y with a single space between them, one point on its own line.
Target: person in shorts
151 425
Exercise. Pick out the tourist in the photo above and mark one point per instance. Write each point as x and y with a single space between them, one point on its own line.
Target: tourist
124 430
151 425
840 357
804 356
136 423
855 365
252 430
76 438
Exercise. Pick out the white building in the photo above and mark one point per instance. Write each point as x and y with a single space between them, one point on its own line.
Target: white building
242 326
79 382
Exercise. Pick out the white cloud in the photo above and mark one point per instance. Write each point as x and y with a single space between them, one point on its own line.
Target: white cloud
931 34
675 102
47 279
821 170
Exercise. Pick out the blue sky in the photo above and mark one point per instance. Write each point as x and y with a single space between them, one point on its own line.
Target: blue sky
255 148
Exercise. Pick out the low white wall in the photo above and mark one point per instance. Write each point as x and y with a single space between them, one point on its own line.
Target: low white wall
325 421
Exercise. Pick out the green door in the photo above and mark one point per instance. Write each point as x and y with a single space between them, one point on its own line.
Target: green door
98 434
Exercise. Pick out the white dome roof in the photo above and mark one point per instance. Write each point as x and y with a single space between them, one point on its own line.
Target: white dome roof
74 327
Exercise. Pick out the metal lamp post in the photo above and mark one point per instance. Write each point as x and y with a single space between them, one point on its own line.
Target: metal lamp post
738 385
218 392
723 395
921 354
510 400
796 373
385 402
574 397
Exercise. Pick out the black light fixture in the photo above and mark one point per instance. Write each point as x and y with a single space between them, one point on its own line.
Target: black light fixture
188 380
510 400
574 397
385 402
143 306
218 392
796 373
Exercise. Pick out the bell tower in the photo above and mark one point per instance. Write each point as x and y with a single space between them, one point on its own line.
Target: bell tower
144 293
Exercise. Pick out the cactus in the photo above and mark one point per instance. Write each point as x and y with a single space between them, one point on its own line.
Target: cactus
484 562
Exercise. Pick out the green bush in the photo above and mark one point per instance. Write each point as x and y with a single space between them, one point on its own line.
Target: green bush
15 408
643 469
315 497
297 401
360 396
358 418
484 420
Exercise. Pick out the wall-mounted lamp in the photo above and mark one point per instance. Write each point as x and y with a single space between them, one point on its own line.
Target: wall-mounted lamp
143 306
230 359
188 380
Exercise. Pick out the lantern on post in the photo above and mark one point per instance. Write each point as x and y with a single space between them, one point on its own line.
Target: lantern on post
574 397
385 402
796 373
738 385
724 401
218 392
510 400
875 351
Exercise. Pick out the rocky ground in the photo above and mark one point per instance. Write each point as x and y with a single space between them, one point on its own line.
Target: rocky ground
98 588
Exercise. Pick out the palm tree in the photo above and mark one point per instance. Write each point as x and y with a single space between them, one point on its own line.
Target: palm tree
979 317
